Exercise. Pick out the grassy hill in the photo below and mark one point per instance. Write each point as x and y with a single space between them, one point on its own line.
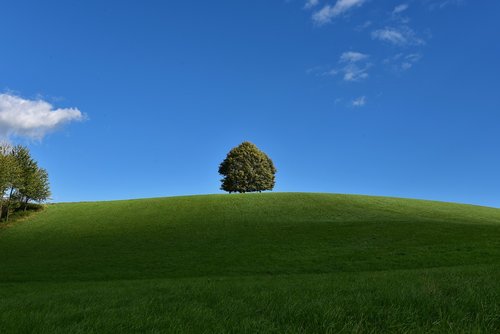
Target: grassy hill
279 262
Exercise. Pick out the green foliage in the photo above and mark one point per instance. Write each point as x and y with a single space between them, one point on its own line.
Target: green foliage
247 169
27 168
253 263
10 170
11 178
21 180
39 188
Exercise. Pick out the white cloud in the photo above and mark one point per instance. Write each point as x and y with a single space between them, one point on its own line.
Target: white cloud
413 57
400 8
354 66
398 36
359 102
401 62
389 35
353 70
328 12
353 73
440 4
32 118
352 57
397 13
311 3
410 60
363 26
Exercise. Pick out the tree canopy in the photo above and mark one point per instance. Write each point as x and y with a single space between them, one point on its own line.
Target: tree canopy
21 180
247 169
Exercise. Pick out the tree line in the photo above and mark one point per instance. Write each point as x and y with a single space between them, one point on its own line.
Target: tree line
22 181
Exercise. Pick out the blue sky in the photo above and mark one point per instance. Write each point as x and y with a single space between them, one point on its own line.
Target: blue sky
129 99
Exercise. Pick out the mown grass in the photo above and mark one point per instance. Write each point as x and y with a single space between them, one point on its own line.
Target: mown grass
290 262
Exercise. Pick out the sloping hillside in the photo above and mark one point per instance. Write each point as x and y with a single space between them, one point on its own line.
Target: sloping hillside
278 262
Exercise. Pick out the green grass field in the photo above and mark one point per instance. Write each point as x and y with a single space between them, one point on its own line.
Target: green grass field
278 262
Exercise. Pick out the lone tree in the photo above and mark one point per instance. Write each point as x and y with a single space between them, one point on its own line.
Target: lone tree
247 169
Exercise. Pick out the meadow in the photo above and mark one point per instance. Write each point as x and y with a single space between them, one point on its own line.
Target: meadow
273 263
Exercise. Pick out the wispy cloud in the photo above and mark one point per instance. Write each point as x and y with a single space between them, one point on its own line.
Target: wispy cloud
403 62
359 102
329 12
354 66
401 36
391 35
409 60
400 8
363 26
352 57
441 4
311 3
32 118
354 73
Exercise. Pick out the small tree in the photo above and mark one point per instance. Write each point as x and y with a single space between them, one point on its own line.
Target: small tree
10 179
247 169
21 180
